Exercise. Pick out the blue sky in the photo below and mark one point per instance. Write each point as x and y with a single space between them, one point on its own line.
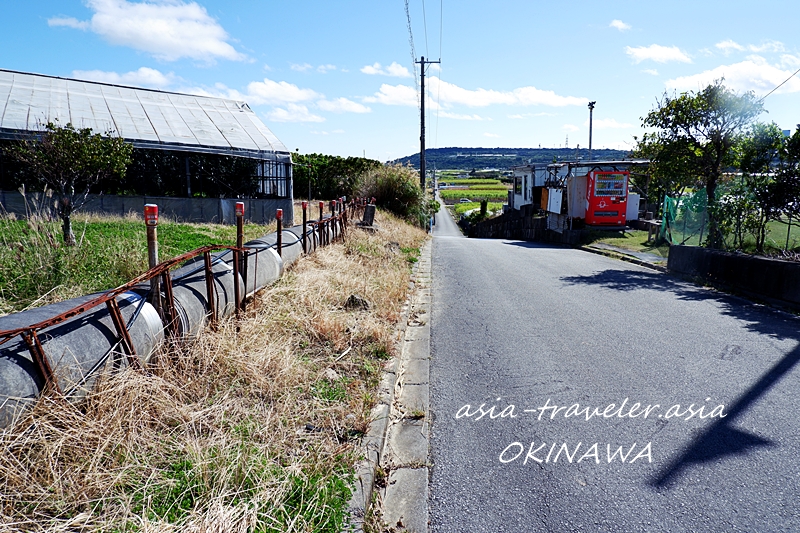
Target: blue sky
337 77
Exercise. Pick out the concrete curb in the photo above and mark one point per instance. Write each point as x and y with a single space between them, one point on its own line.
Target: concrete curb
399 377
406 451
622 257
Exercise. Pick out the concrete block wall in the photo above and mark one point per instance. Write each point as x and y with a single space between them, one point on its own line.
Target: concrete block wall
210 210
764 278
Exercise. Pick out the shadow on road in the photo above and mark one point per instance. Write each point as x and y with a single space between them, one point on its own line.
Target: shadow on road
721 438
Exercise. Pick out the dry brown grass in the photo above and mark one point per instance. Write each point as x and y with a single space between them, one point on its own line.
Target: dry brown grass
248 430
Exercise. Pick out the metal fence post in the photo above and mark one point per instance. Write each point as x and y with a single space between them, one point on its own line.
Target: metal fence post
151 223
237 256
279 217
305 221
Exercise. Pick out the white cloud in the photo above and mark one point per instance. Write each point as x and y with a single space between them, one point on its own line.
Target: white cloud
395 70
657 53
533 96
143 77
729 46
492 135
754 74
277 92
69 22
449 94
790 61
607 124
342 105
301 68
452 94
395 95
456 116
519 116
167 29
769 46
293 113
651 71
570 127
618 24
324 69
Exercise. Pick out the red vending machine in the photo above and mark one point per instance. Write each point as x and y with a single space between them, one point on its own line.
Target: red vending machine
606 198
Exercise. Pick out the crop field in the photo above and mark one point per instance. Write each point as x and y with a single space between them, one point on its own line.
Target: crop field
473 193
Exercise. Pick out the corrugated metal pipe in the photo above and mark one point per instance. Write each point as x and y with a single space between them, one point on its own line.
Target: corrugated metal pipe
65 346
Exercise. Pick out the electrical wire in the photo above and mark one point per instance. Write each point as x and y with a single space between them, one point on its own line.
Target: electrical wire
439 85
779 86
425 26
413 51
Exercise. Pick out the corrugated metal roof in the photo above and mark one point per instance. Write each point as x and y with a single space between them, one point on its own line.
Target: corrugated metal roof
145 117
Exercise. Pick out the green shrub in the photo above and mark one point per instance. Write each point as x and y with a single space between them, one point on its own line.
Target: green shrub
396 189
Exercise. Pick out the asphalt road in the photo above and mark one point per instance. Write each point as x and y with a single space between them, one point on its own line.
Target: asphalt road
534 326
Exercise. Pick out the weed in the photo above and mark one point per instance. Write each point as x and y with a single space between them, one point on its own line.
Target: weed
212 437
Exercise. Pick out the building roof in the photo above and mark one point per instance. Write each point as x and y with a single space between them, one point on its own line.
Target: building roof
147 118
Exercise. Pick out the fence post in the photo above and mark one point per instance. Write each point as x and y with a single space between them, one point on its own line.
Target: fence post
237 257
321 225
305 221
279 218
151 223
333 220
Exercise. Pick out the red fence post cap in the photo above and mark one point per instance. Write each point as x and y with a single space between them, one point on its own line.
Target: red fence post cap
305 205
239 209
151 214
279 214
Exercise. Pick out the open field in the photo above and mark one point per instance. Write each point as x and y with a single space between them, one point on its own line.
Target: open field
470 182
447 194
36 268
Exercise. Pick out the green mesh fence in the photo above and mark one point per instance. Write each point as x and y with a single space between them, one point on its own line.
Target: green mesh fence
684 220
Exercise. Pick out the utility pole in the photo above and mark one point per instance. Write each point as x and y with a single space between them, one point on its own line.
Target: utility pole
591 109
422 63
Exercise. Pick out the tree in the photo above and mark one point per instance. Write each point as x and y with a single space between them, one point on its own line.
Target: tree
694 135
754 196
69 161
330 176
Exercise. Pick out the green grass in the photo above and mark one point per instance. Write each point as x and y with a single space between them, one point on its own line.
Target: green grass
469 182
776 240
498 187
474 193
460 209
634 240
36 268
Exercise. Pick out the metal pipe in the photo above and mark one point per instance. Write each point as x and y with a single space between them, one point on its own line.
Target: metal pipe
151 223
305 221
279 232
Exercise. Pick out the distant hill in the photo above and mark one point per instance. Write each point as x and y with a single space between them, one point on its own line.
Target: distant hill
504 158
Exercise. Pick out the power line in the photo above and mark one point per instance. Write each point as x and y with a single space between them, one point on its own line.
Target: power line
439 85
425 26
413 52
781 85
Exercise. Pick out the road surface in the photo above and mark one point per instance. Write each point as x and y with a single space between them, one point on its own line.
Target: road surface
539 328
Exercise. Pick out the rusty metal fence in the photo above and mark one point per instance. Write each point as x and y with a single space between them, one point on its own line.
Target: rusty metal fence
326 229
